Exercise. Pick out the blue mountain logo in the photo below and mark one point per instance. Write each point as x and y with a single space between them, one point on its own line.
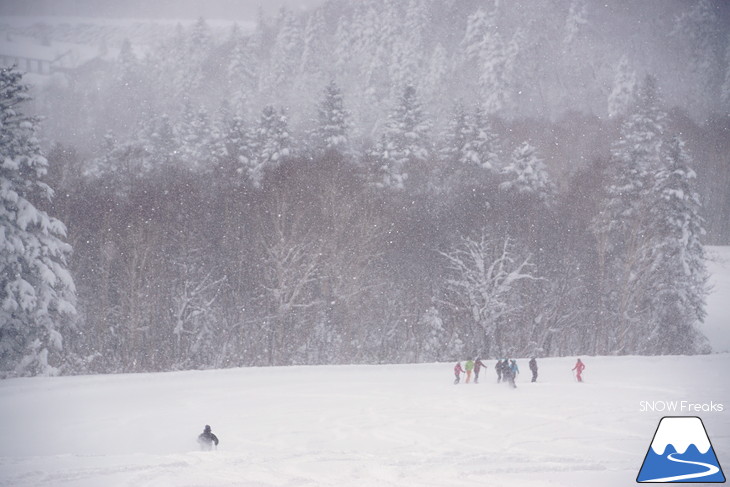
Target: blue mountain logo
681 452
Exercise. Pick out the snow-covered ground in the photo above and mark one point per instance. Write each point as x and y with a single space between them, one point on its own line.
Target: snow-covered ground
385 425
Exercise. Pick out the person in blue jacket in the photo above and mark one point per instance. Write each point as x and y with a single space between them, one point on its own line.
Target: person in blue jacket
514 371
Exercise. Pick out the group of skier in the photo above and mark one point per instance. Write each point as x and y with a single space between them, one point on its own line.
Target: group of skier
470 366
507 370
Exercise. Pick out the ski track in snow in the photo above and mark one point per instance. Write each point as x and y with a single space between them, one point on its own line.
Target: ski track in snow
711 470
385 426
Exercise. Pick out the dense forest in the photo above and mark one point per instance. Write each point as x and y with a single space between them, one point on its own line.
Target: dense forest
375 182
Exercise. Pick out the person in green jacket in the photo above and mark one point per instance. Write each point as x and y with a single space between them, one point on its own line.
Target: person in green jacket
469 366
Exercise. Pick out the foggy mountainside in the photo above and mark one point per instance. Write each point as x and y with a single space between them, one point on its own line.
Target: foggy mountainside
377 181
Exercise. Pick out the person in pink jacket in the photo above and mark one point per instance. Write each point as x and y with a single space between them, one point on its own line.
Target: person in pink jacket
457 372
579 367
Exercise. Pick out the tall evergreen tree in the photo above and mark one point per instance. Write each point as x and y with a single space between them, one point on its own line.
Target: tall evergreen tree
243 74
162 144
37 293
636 155
483 146
526 174
624 89
237 141
196 139
679 285
404 142
457 135
286 52
333 122
494 57
624 226
270 144
408 45
314 50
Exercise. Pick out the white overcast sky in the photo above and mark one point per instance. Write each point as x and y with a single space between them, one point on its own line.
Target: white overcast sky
157 9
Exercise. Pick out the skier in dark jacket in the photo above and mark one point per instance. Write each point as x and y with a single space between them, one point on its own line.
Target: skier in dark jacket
507 375
478 364
206 439
499 369
533 368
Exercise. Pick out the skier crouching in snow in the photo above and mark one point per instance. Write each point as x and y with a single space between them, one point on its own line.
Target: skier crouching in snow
206 439
579 367
457 372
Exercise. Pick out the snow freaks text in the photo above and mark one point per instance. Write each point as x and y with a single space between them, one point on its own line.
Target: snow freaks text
680 407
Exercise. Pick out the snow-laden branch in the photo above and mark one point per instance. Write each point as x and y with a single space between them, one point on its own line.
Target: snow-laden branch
485 279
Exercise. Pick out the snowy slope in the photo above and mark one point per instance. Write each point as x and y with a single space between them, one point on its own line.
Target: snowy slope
353 425
385 425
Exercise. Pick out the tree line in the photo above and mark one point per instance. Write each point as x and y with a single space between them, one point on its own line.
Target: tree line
246 245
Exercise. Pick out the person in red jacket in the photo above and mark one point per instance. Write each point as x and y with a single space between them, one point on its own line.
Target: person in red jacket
579 366
457 372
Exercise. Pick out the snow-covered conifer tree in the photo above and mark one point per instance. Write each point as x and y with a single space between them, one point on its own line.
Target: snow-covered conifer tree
483 147
195 137
623 227
183 61
494 57
437 73
37 293
237 140
622 94
162 148
636 156
679 286
128 65
270 144
456 136
314 50
526 174
469 151
405 140
333 121
408 48
243 74
286 52
343 43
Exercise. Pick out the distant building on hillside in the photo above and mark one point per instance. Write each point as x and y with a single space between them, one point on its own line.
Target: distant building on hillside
35 56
